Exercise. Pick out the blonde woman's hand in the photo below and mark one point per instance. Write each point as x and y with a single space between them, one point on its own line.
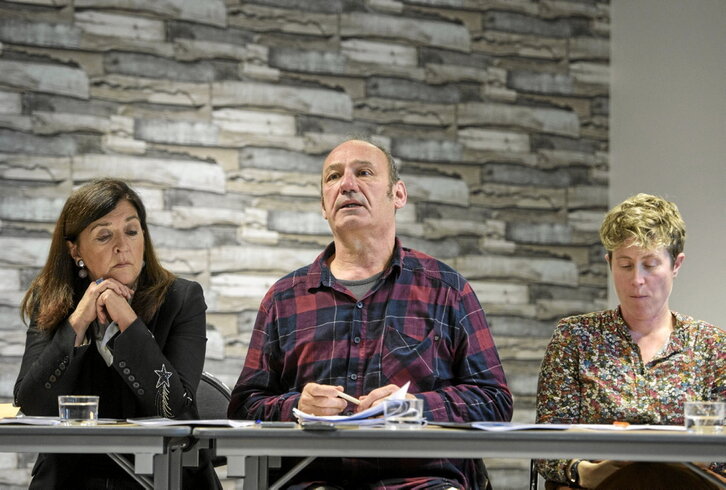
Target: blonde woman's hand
593 473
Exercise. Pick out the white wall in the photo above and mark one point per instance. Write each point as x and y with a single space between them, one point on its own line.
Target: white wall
668 131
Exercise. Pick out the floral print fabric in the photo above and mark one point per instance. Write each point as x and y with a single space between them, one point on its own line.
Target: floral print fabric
593 373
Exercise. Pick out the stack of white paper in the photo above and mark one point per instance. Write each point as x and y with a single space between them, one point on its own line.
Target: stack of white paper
371 416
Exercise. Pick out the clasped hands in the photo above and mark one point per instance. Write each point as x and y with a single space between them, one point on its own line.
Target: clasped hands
106 300
317 399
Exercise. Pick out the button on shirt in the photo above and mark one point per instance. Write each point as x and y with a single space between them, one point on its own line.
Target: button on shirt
421 323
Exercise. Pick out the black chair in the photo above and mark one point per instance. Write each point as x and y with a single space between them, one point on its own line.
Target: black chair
212 400
212 397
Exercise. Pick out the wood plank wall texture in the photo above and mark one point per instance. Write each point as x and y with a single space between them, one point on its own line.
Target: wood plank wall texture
220 113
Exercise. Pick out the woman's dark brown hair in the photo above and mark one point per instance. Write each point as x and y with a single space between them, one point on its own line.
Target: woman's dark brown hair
56 291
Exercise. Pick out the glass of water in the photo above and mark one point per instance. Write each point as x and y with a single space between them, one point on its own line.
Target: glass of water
704 417
403 414
78 409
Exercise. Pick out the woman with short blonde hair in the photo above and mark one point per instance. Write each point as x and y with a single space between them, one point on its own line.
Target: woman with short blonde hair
637 363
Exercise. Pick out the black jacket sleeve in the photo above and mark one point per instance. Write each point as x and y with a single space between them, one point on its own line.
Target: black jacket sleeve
49 368
162 364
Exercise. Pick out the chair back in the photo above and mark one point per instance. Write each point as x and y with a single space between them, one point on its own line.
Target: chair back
212 397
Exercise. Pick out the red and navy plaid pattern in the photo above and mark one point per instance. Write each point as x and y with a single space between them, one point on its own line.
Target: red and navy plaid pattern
421 323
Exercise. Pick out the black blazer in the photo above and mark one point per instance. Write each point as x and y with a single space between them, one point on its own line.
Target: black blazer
155 372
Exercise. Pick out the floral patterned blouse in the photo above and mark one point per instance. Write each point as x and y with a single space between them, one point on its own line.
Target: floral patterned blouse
592 373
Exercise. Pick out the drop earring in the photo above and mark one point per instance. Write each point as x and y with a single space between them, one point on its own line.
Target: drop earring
82 272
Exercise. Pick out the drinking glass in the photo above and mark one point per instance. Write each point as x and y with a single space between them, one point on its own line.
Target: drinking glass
704 417
403 414
78 409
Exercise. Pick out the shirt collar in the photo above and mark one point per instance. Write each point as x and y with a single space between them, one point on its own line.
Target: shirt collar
319 274
676 341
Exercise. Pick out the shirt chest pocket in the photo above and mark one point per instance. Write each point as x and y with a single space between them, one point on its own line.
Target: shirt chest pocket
409 350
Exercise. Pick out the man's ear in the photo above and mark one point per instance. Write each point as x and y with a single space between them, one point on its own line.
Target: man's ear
322 209
400 194
607 259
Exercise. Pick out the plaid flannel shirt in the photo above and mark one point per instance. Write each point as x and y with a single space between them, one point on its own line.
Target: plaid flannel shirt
420 323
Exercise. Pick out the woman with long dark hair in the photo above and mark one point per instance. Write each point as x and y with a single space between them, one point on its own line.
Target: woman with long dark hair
107 319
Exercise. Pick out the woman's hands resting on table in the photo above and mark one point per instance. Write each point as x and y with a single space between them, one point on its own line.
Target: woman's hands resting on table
107 301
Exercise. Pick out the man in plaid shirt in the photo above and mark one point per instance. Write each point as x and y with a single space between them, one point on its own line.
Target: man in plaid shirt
365 317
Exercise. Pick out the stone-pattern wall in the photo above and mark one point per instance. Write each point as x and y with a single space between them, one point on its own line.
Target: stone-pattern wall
220 114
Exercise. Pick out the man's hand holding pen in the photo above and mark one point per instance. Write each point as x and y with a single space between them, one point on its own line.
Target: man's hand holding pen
317 399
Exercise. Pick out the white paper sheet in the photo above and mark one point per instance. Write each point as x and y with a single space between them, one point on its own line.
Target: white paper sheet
615 427
46 420
366 417
26 420
507 426
161 421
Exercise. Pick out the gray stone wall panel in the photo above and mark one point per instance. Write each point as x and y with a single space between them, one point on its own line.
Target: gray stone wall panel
535 270
42 77
137 64
305 100
177 132
519 45
553 83
210 12
555 121
274 158
17 142
308 61
221 112
27 252
519 197
119 88
431 150
15 31
117 25
171 173
33 169
221 35
324 6
386 111
10 103
268 19
430 33
58 103
394 88
523 175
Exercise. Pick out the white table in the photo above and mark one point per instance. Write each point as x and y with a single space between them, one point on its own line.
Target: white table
251 451
157 450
